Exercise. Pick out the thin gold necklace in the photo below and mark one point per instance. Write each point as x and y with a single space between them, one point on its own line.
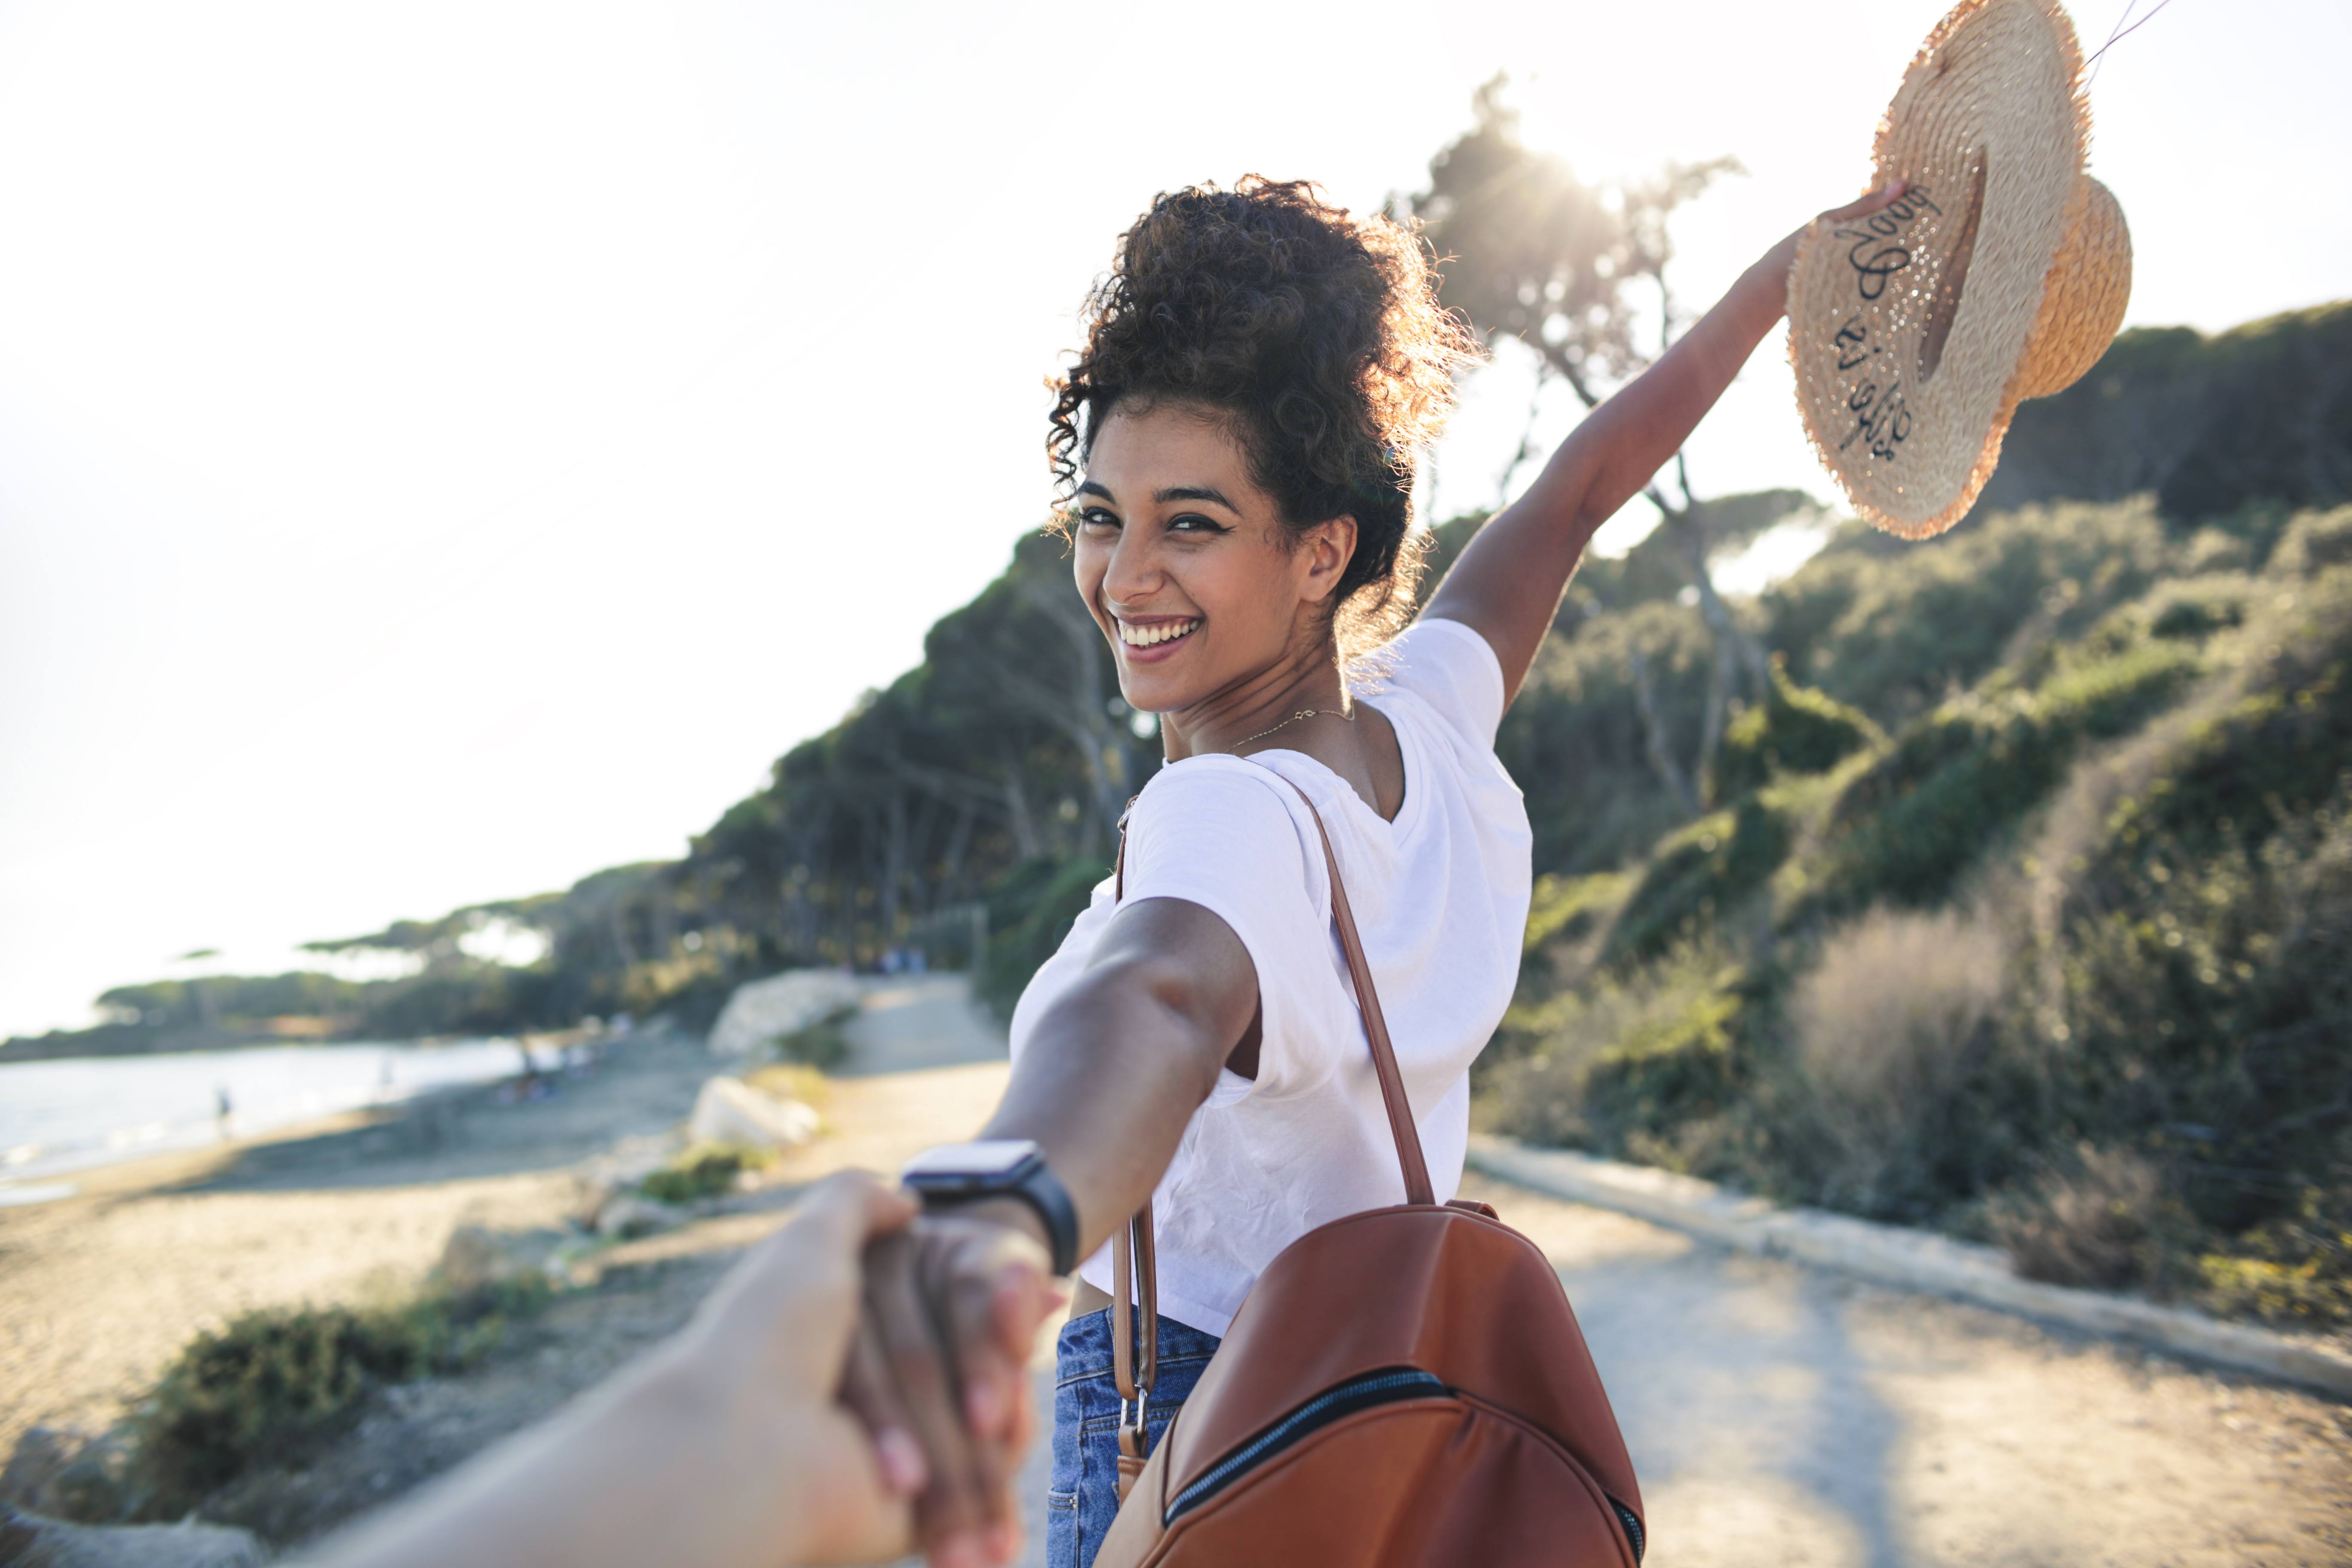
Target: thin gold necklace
1294 718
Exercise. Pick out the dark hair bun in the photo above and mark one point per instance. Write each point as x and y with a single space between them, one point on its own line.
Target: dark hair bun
1317 333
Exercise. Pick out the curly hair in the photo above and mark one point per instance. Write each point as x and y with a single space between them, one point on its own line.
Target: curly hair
1315 336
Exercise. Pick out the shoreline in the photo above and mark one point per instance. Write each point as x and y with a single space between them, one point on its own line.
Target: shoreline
61 1116
103 1287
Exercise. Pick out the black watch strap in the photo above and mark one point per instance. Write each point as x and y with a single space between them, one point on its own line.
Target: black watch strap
1031 1180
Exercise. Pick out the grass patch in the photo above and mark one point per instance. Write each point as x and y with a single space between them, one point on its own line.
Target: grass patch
824 1044
704 1171
270 1385
1957 783
1569 907
794 1080
1699 874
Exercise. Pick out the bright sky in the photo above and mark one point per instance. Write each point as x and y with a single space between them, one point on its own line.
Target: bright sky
448 448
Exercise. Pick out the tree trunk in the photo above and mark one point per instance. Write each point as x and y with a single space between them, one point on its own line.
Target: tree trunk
1656 741
1026 843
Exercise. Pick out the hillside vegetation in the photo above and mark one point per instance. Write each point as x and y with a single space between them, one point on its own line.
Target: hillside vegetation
2023 906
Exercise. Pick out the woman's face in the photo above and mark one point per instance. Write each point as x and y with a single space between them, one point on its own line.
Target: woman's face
1184 563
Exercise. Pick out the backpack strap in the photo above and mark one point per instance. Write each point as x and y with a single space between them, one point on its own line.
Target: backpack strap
1132 1258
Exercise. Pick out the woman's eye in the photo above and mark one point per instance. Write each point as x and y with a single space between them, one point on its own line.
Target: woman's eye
1096 517
1192 522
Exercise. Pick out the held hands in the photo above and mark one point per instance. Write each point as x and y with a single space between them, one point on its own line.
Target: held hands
937 1371
731 1447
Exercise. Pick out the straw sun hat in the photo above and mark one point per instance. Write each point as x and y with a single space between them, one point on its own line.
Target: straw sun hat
2000 275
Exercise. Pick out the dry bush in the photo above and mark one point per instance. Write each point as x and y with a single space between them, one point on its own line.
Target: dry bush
1611 1063
1892 1031
2098 1221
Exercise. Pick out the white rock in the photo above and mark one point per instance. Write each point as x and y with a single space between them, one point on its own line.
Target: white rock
730 1110
597 1179
629 1215
763 1011
33 1542
477 1256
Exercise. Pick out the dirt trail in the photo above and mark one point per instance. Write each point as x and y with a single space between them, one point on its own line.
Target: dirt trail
1781 1414
1778 1415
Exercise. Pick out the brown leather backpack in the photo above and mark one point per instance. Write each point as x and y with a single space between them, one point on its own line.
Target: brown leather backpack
1402 1388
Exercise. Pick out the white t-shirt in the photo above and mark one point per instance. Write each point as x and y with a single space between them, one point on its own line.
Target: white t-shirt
1440 898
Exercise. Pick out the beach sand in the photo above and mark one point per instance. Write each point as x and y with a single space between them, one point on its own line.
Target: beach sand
99 1291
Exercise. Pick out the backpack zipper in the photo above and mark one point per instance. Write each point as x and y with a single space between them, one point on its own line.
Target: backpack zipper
1360 1393
1386 1387
1633 1523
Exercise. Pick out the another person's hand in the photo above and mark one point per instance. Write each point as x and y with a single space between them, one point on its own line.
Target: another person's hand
727 1448
952 1307
766 1355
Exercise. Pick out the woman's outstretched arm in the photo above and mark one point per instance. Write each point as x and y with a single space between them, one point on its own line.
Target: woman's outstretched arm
1105 1085
1507 584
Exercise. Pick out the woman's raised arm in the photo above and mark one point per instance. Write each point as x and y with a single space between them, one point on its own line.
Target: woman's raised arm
1507 584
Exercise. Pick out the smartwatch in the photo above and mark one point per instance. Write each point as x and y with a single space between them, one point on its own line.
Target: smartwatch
956 1173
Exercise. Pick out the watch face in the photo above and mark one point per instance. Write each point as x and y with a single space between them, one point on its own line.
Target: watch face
990 1157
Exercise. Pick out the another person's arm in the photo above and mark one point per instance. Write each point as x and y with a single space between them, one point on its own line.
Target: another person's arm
1507 584
725 1448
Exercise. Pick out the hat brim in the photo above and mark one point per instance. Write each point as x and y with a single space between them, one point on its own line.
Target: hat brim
1909 331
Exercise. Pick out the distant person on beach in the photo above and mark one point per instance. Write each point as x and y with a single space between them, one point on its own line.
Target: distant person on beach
222 1109
726 1447
1237 439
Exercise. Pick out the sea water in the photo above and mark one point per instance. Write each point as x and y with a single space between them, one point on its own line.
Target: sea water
78 1112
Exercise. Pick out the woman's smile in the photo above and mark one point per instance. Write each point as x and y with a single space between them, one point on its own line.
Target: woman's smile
1149 641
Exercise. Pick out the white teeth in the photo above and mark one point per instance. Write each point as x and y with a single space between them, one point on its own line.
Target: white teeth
1147 637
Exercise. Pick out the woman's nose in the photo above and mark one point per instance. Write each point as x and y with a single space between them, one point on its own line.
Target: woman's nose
1133 571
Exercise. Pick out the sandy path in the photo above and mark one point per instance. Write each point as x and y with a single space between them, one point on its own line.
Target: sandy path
1778 1415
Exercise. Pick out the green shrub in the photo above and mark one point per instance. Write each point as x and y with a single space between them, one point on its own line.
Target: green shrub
824 1044
270 1385
1959 781
2122 1057
1894 628
703 1171
1698 873
1795 730
1028 916
792 1080
1624 1064
2295 1269
2313 541
1569 906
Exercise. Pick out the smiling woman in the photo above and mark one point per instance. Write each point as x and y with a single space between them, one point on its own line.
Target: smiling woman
1312 340
1239 436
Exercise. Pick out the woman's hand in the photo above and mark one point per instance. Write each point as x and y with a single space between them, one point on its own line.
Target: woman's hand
1112 1073
952 1307
1507 584
1773 270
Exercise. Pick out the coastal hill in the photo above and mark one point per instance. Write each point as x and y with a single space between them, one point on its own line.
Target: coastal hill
2002 883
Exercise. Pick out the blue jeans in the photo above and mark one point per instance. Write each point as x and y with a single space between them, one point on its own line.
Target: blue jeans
1084 1494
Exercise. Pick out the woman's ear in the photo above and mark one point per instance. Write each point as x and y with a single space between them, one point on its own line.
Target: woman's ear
1329 547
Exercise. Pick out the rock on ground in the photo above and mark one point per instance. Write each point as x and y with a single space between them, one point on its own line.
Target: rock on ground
29 1540
766 1009
730 1110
